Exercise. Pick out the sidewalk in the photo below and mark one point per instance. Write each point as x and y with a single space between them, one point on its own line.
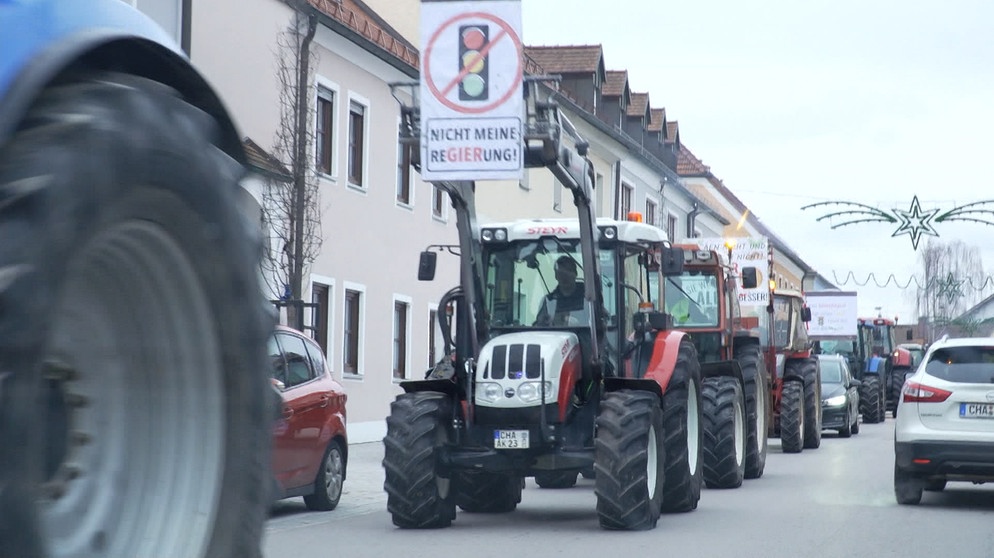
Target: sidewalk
364 479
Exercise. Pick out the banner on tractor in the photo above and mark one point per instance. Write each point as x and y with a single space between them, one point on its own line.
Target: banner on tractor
750 251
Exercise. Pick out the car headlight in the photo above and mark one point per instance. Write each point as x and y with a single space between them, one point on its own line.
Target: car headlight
489 392
835 401
530 392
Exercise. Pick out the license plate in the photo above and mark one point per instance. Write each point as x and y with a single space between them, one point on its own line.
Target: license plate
976 410
510 439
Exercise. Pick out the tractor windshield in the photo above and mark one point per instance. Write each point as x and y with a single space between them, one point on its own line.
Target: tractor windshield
692 299
536 284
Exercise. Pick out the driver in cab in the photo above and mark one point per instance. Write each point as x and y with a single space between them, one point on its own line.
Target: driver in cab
566 298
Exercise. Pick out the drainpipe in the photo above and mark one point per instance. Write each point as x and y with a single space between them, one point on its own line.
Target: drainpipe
692 218
617 190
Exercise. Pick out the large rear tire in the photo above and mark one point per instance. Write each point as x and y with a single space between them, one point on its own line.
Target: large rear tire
724 432
483 492
683 433
812 404
418 497
629 460
871 399
135 406
792 416
556 479
757 392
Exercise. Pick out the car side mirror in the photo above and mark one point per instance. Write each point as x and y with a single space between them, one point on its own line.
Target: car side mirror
855 383
750 277
426 266
280 386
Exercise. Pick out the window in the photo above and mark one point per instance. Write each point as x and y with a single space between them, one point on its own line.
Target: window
357 123
324 130
298 363
353 313
319 296
650 212
400 339
404 174
438 203
626 200
671 227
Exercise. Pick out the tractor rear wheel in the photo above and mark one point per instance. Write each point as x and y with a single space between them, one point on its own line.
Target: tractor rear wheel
724 432
629 460
812 404
870 400
135 407
556 479
792 416
683 433
757 392
418 497
482 492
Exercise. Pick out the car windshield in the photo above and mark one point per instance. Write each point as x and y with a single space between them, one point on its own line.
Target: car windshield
692 299
831 371
836 347
536 283
973 365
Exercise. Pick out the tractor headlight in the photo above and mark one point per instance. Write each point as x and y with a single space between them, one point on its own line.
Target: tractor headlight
530 392
489 392
836 401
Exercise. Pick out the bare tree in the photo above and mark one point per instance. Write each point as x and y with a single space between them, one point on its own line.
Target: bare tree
952 281
292 210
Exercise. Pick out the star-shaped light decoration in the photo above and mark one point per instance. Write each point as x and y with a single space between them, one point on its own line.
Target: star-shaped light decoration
950 288
915 222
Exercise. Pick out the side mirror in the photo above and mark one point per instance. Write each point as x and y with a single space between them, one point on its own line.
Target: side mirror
426 266
671 261
855 383
750 277
660 320
805 314
278 385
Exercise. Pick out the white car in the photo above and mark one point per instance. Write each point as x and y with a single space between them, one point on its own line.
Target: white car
945 424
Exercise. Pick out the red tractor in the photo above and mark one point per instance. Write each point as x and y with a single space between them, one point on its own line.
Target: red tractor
728 342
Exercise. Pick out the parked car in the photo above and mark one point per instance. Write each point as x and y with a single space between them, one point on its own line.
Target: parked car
840 395
310 444
945 425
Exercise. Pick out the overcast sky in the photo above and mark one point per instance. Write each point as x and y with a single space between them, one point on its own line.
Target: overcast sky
792 103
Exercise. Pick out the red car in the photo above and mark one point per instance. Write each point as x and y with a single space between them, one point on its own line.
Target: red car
310 445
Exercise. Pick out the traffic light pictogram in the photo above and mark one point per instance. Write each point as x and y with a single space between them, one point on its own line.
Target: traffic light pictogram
474 66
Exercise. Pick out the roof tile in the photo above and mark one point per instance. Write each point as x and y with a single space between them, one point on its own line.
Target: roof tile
567 59
364 21
615 84
656 118
639 105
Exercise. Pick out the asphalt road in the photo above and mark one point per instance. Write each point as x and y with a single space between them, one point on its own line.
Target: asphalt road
835 501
